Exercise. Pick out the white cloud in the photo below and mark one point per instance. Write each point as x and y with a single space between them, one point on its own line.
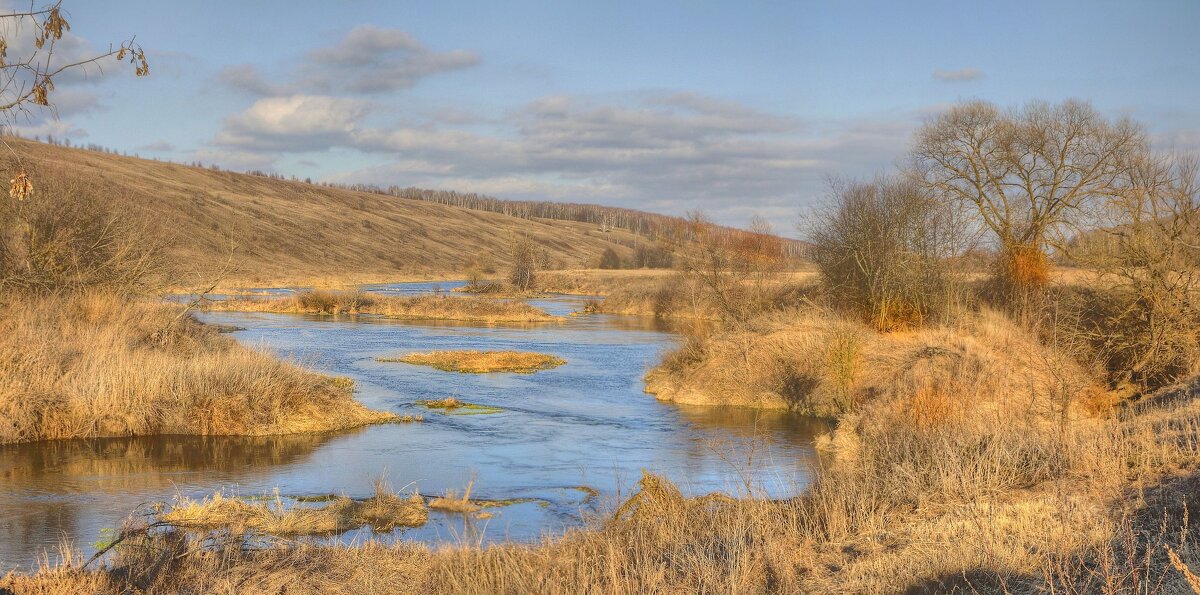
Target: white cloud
294 123
367 60
247 77
668 152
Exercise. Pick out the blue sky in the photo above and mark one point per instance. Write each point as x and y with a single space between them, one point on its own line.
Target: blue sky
735 108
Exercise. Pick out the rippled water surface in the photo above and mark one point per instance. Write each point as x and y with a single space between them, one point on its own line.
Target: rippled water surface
561 433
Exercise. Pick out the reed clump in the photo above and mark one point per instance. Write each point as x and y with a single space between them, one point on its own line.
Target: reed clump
383 511
482 362
433 307
452 502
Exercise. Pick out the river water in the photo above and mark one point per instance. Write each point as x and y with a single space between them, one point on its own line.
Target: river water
571 440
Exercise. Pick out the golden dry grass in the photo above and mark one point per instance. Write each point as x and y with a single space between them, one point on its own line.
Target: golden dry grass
94 365
384 511
481 362
434 307
598 282
998 509
452 502
818 362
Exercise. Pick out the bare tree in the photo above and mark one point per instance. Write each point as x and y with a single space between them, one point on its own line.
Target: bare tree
1026 172
734 266
523 274
609 259
880 248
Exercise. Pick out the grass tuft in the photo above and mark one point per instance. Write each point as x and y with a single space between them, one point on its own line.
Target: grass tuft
383 511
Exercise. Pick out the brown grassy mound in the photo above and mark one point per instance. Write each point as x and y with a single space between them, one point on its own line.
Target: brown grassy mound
416 308
97 365
820 363
482 362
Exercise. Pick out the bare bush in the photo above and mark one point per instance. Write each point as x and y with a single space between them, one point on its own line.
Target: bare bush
735 268
1140 313
523 274
609 259
880 247
66 239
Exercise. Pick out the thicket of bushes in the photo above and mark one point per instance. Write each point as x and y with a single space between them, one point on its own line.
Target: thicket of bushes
643 257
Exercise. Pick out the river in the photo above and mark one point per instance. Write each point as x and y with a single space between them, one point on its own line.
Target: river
570 440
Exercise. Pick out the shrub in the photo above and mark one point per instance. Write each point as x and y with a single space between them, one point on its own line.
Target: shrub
523 274
1139 314
609 259
879 249
64 239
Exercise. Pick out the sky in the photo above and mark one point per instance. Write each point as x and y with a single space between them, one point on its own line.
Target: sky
733 108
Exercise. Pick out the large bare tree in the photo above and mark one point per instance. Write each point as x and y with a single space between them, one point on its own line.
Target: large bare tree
1027 172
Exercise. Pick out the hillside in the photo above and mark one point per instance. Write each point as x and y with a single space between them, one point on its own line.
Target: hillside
293 232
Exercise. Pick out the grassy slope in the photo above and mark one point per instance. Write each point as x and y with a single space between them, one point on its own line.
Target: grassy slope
296 232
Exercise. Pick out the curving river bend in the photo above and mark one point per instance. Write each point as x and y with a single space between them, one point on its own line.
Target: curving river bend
587 424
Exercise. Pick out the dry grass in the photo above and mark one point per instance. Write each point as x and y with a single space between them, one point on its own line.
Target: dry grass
447 403
384 511
452 502
94 365
913 508
598 282
482 362
434 307
452 405
681 296
291 233
821 363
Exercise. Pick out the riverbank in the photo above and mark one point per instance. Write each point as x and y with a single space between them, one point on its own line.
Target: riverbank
917 508
98 365
432 307
968 456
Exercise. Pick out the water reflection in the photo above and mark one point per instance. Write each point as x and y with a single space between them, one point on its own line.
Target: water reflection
76 488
